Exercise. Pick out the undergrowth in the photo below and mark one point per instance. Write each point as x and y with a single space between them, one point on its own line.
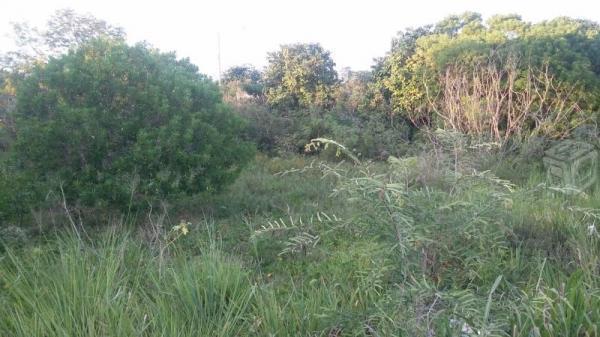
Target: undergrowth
303 247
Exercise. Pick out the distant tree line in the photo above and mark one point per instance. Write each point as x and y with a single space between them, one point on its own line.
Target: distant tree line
499 79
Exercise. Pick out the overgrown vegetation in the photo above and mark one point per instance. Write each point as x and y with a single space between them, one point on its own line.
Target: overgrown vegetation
406 201
396 251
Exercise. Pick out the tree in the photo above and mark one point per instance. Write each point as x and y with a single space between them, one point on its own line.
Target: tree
300 76
463 23
240 81
352 92
390 73
64 30
7 103
502 78
111 124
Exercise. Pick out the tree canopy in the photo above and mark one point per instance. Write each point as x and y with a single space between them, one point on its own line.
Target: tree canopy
243 78
300 76
499 77
64 30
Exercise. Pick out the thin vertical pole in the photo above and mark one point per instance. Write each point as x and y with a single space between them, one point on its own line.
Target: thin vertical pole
219 54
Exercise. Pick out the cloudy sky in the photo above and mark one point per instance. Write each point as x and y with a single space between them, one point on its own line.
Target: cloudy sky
354 31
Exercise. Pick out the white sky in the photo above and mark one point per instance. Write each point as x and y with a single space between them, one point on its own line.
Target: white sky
354 31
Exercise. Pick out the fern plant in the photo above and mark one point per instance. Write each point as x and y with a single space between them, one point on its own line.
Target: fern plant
297 236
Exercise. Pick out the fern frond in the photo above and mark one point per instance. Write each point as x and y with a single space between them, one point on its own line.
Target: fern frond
300 243
274 226
317 142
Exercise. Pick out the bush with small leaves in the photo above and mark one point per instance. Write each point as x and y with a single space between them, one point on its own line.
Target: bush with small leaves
117 125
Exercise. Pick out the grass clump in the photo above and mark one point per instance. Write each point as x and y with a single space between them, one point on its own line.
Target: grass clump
117 287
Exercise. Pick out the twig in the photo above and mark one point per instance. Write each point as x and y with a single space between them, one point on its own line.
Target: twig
66 208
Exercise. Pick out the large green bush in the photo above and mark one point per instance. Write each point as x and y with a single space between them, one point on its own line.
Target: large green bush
113 124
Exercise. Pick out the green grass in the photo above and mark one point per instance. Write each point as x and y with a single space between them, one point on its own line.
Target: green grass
299 247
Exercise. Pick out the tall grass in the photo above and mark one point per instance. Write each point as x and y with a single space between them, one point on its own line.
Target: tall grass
115 287
397 249
68 290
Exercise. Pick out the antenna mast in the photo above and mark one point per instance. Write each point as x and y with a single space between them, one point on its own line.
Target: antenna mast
219 54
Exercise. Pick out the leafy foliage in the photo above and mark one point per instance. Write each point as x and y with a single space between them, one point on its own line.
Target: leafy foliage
300 76
498 78
242 84
114 124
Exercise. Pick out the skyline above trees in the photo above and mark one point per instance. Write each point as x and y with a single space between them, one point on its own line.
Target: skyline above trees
64 30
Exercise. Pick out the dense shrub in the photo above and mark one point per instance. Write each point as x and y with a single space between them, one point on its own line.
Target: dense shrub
113 124
280 132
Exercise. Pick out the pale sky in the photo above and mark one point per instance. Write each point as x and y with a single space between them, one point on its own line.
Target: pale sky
354 31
